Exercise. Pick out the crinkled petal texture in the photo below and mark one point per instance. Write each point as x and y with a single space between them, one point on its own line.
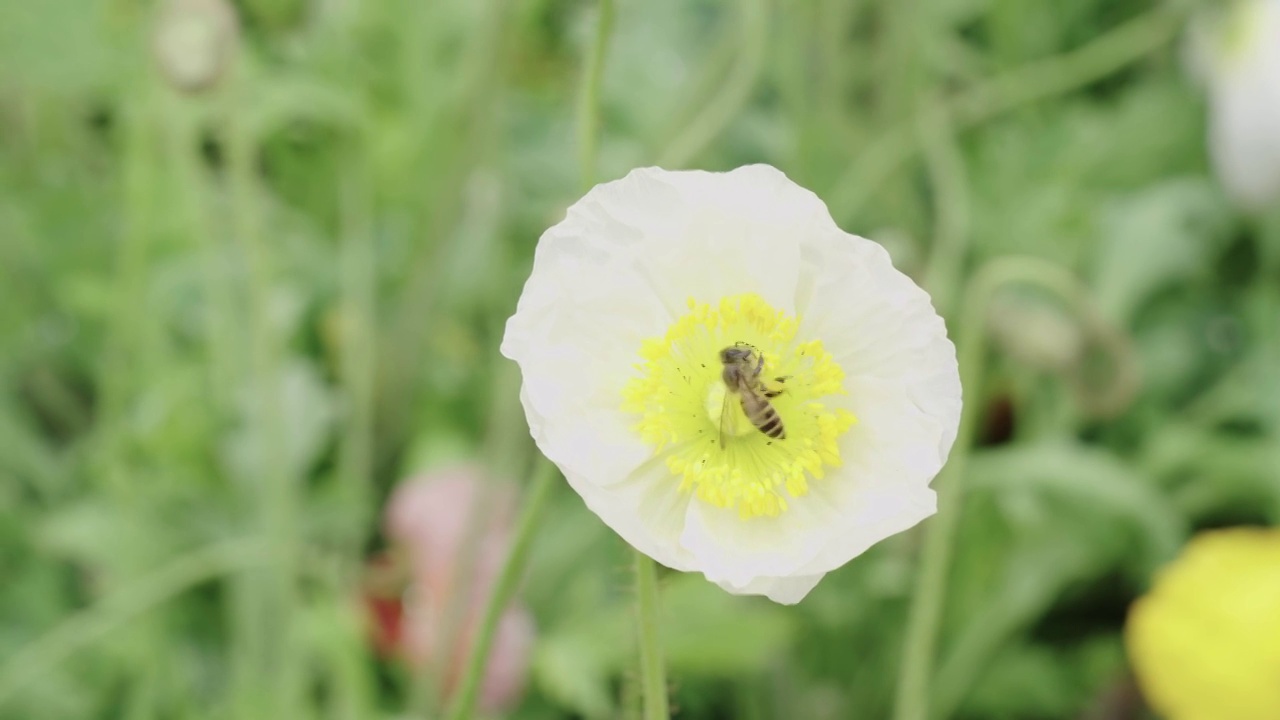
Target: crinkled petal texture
635 256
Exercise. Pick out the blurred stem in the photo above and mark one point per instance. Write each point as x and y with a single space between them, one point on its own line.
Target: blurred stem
987 99
123 357
589 97
273 675
653 674
450 131
464 704
707 79
945 165
721 108
357 351
221 337
925 616
898 56
92 624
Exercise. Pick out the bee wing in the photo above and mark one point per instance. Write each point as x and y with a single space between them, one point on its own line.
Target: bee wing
726 411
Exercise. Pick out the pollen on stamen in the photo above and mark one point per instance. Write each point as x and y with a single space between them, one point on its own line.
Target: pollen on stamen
678 394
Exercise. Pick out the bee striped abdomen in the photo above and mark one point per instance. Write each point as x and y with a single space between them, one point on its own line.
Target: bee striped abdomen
762 414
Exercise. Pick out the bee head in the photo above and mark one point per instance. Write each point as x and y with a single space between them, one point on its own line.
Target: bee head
735 354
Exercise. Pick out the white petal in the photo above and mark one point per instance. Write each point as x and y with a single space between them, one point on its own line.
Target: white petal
878 324
618 271
903 384
785 590
881 490
730 550
647 510
708 235
883 487
582 315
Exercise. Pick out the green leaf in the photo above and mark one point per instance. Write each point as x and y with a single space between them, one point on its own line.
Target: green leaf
1164 234
1092 476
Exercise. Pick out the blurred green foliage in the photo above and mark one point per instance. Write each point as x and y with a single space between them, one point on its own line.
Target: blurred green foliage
233 316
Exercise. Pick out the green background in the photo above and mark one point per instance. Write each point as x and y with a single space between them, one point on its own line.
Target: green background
233 318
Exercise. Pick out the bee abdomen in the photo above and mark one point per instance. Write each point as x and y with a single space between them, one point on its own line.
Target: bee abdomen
773 428
766 420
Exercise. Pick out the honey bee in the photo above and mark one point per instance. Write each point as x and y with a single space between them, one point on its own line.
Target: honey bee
741 374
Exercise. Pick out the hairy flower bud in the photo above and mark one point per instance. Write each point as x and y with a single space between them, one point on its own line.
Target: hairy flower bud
195 42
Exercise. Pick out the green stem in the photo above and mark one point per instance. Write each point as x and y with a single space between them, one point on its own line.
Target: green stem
273 677
357 352
478 654
653 674
925 616
589 97
945 165
720 110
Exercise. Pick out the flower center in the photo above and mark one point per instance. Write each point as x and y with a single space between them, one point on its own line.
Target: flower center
748 445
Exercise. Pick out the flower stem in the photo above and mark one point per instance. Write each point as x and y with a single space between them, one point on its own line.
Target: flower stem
925 615
653 674
652 671
464 703
720 109
950 188
915 673
589 97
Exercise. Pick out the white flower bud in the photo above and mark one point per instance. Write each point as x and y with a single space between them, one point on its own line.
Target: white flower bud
1035 334
195 42
1237 56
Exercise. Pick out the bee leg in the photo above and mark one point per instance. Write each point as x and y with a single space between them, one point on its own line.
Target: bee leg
779 391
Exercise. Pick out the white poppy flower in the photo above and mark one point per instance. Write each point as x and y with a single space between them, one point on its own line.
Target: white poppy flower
1238 56
618 335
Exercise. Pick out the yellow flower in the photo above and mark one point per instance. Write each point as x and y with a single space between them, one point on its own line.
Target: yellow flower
845 393
1205 642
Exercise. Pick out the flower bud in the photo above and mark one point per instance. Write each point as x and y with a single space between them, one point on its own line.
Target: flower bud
195 42
1205 641
1237 55
450 530
1036 334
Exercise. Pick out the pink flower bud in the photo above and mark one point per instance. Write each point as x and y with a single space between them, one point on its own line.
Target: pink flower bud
451 529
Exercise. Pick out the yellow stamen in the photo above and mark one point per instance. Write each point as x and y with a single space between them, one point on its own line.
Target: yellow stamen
679 395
